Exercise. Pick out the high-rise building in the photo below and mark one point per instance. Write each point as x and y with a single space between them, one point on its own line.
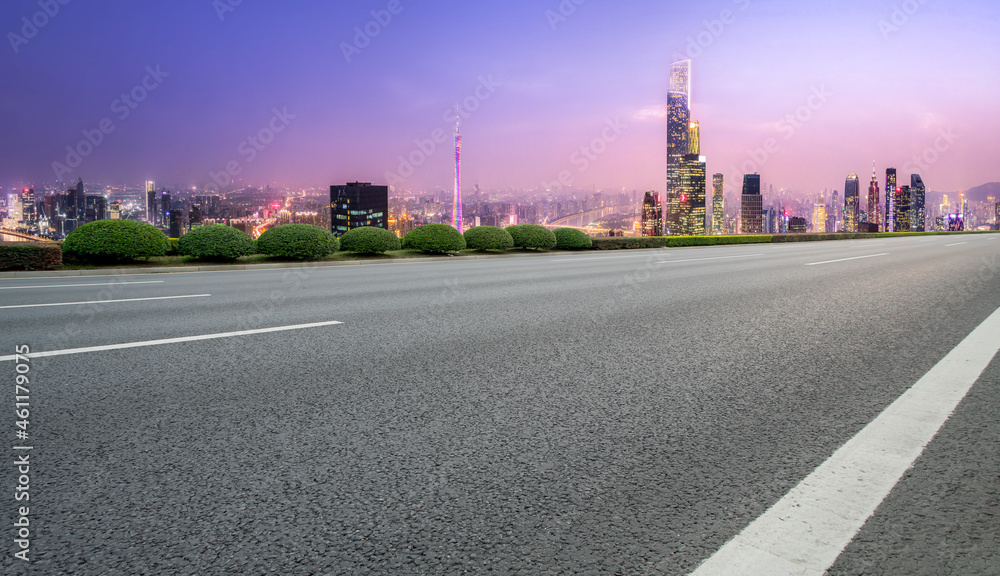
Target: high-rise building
819 218
692 196
997 216
874 203
29 216
358 204
852 205
456 219
678 139
718 204
652 215
901 210
694 129
752 206
115 210
918 202
890 200
151 208
164 211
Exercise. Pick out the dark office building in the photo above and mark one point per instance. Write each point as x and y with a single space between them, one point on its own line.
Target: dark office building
358 204
918 202
998 216
652 215
752 206
97 209
797 225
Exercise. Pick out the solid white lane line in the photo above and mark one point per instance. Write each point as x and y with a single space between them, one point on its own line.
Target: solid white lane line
955 244
705 259
805 532
104 301
79 285
171 341
846 259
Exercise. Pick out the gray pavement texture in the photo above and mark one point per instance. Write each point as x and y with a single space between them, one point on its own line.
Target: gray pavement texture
566 414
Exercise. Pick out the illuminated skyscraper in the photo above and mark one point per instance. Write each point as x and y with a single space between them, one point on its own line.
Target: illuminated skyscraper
694 129
819 218
678 138
456 221
852 204
890 200
151 202
901 209
752 206
874 203
652 215
918 204
692 196
718 204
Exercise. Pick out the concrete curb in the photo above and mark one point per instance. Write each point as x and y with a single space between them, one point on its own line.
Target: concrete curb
252 267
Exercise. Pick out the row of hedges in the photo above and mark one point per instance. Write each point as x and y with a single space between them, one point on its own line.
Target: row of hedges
30 256
677 241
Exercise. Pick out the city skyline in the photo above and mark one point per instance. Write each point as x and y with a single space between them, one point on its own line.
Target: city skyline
582 93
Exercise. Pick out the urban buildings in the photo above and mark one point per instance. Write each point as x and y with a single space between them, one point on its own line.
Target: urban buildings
819 218
692 196
752 206
852 204
358 204
652 215
890 197
901 209
918 202
151 202
718 204
874 204
678 139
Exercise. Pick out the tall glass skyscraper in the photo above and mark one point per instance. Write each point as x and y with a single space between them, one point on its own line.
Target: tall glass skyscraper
718 204
852 203
678 139
692 196
652 215
874 204
890 197
901 214
918 203
752 206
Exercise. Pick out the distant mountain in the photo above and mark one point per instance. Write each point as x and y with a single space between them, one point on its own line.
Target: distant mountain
981 193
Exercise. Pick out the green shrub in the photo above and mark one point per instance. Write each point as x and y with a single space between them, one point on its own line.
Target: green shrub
434 239
175 244
488 238
298 241
216 242
115 241
369 240
30 256
532 236
572 239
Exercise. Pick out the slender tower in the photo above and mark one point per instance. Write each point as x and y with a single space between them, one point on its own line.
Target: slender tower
874 206
457 214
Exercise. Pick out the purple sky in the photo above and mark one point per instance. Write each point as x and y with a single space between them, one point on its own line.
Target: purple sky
550 82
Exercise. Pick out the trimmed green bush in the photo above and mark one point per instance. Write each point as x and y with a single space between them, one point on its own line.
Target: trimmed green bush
572 239
175 244
298 242
676 241
115 241
434 239
216 242
30 256
488 238
532 236
369 240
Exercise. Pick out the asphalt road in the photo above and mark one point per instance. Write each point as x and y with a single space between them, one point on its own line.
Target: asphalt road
613 413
